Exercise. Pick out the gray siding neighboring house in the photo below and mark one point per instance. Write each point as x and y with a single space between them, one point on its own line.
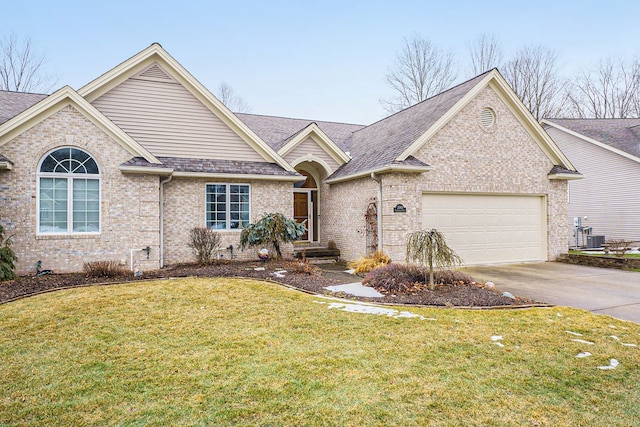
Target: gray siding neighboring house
607 152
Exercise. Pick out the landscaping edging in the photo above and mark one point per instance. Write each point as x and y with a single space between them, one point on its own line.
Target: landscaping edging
600 261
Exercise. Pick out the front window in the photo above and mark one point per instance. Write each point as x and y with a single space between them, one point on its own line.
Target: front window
69 193
227 206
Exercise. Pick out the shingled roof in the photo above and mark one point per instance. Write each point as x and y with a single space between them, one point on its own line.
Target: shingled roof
14 103
622 134
381 143
212 166
370 147
277 131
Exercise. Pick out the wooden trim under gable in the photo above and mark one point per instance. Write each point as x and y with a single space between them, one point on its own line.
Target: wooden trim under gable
56 102
6 165
289 178
381 170
155 53
494 80
314 132
566 176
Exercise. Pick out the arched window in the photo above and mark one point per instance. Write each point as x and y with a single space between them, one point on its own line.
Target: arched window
68 192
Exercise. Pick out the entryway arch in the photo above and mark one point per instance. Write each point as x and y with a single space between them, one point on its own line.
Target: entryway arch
307 199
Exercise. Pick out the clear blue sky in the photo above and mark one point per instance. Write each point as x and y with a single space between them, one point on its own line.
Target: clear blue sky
322 60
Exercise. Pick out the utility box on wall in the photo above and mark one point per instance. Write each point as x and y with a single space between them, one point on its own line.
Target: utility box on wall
594 242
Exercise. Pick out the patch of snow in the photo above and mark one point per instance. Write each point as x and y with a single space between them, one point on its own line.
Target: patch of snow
499 344
583 354
352 271
357 289
613 364
614 337
372 309
629 345
496 337
584 342
574 333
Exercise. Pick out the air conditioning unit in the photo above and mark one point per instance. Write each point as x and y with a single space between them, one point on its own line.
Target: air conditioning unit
594 242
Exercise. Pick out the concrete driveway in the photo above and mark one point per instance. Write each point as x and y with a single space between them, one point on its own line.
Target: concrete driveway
600 290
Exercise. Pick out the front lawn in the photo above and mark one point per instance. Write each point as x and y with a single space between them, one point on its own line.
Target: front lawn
242 352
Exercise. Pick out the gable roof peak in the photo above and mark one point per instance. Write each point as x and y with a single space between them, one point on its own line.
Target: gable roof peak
444 92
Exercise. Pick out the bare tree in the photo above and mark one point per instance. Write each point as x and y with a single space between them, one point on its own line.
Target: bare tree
533 76
229 98
608 91
22 68
421 70
485 53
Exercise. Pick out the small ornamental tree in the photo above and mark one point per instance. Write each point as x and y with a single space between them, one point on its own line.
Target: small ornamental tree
7 258
272 229
429 248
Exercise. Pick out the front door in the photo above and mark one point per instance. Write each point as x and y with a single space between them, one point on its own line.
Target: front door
301 211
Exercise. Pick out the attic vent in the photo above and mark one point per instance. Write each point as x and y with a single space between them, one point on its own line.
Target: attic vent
487 118
155 73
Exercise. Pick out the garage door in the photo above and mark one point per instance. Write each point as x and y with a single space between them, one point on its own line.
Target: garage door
489 229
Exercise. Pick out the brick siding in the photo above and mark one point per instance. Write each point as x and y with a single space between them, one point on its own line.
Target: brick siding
129 204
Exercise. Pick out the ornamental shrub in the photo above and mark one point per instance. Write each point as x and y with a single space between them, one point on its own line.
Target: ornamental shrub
205 243
272 229
366 264
429 248
7 257
103 269
401 277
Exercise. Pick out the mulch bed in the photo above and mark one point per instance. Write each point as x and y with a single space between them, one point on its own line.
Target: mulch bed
300 276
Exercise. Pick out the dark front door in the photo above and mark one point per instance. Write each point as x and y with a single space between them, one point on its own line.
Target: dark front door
301 211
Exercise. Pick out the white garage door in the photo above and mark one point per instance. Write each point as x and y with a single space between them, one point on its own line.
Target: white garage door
489 229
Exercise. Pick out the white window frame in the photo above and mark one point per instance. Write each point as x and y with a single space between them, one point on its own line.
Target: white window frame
228 205
69 177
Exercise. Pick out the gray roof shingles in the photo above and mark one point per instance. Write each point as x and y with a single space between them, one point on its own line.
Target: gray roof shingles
557 169
4 159
622 134
14 103
179 164
370 147
382 142
277 131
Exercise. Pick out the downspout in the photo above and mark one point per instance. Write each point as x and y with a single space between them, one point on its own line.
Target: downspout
162 183
379 181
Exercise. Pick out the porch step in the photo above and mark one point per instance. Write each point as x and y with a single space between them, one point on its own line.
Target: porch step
320 254
322 260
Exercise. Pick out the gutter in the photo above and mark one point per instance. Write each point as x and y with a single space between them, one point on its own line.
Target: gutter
381 170
162 183
6 165
566 176
379 224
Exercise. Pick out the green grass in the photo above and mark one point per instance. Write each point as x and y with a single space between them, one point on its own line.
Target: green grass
241 352
612 254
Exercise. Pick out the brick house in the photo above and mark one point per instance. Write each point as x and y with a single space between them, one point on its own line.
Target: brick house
142 154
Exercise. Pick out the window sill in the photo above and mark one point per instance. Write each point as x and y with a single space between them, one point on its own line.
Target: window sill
67 236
